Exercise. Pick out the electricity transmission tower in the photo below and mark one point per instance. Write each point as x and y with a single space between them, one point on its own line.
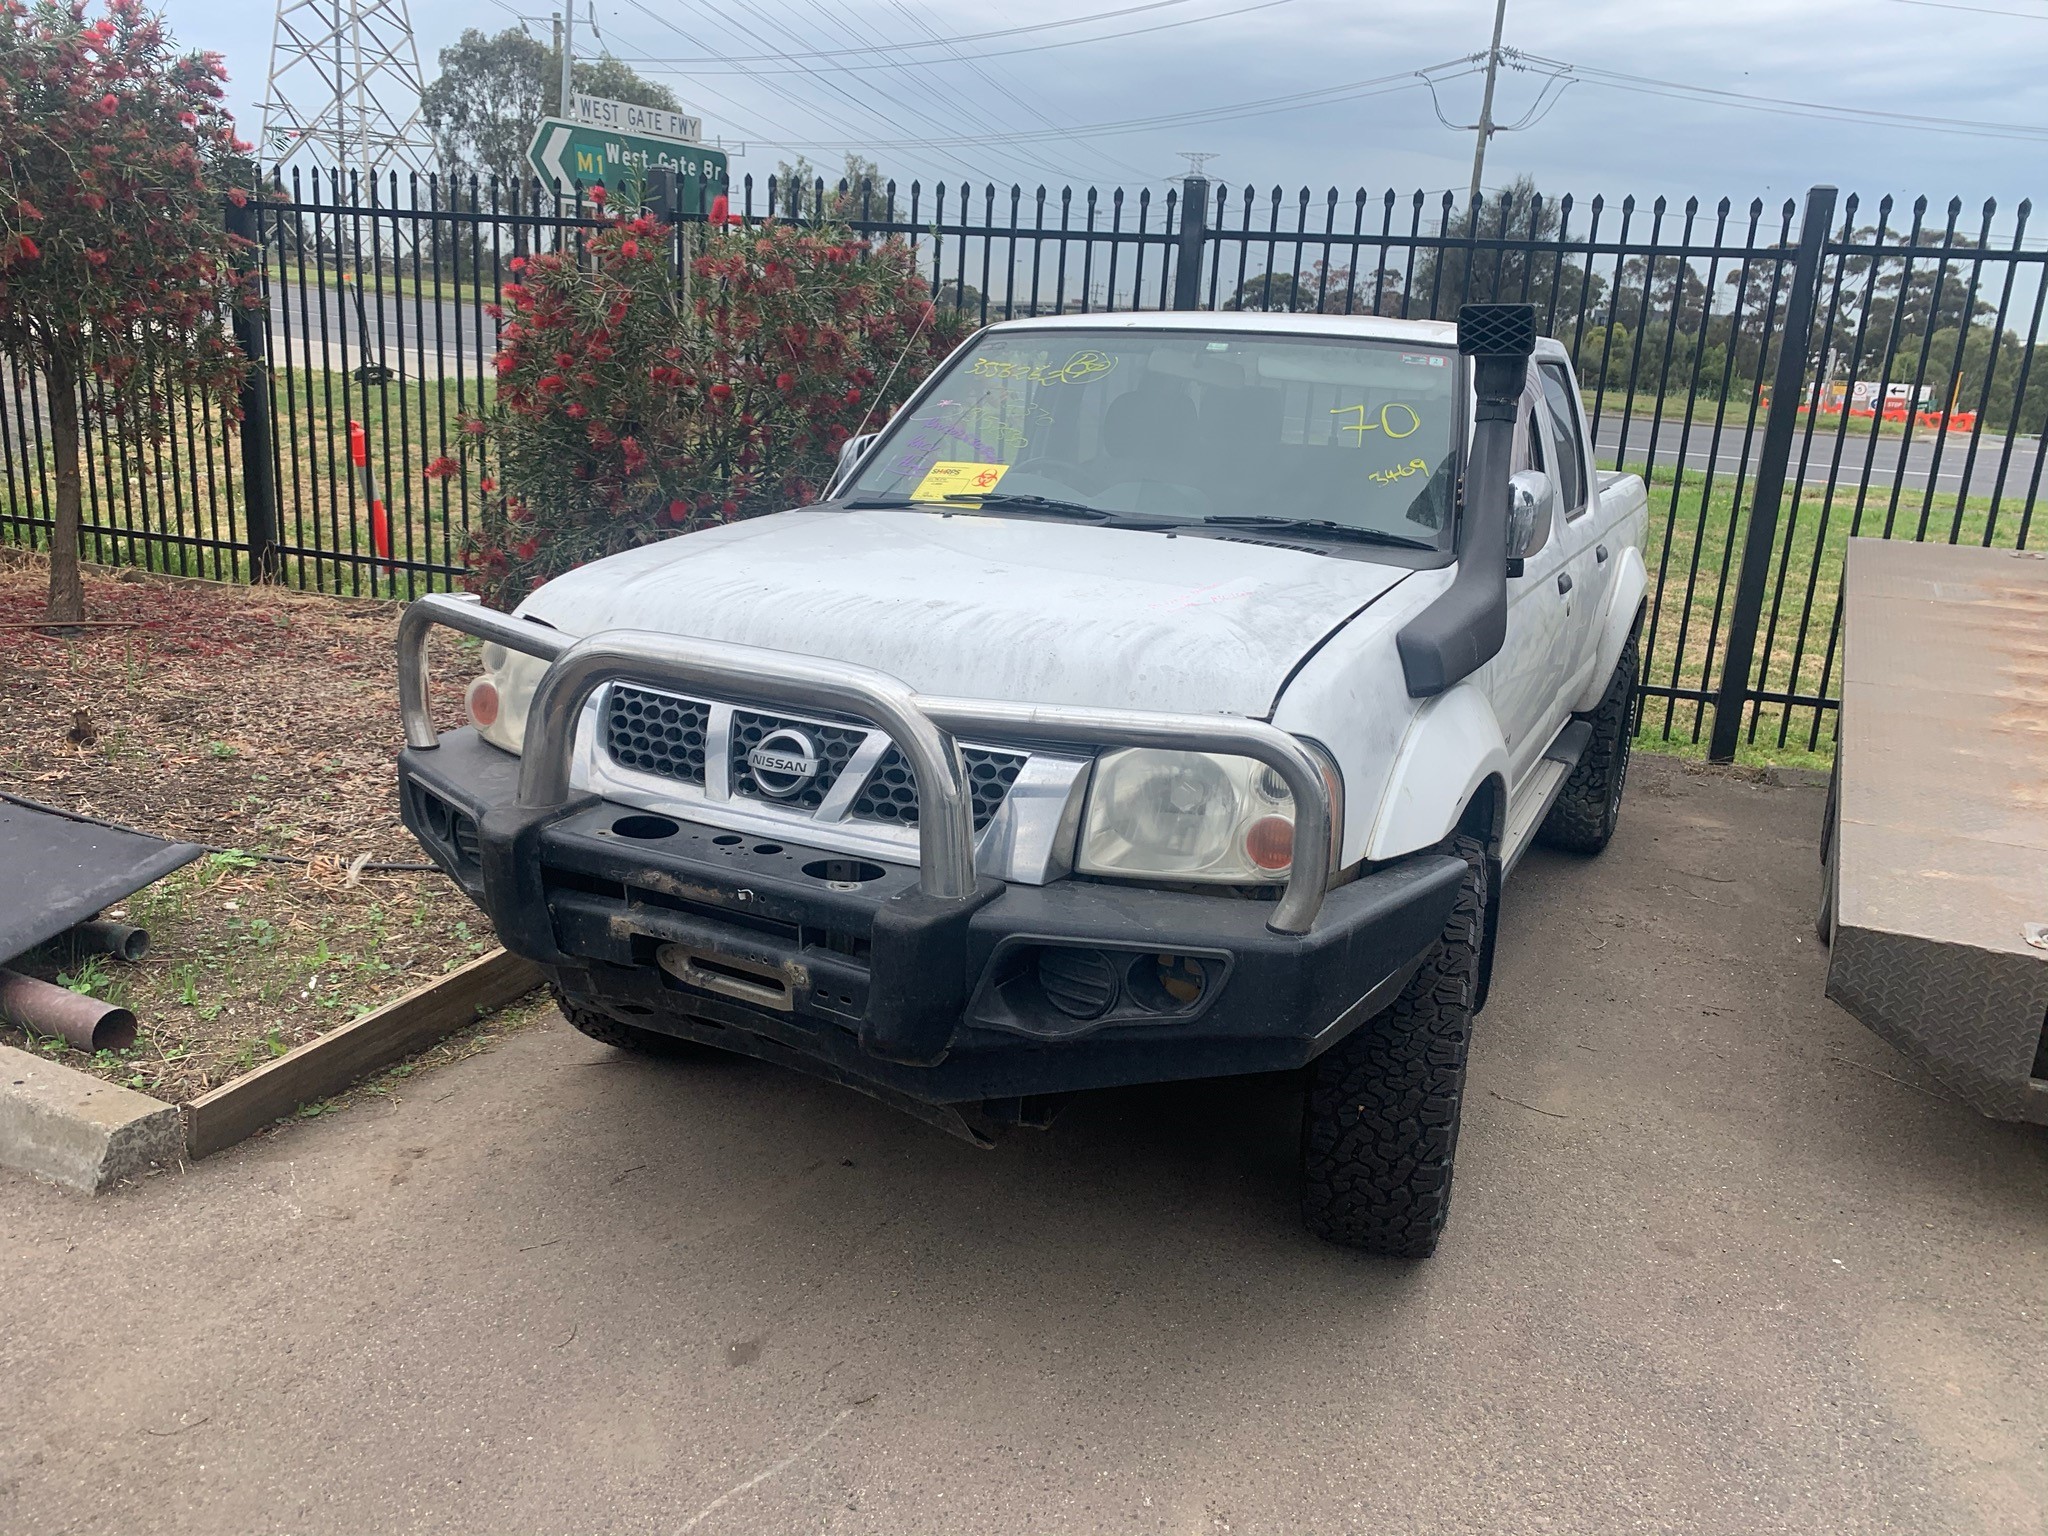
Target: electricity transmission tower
345 82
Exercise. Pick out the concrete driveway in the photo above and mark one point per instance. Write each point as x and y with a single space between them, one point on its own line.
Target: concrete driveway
1721 1262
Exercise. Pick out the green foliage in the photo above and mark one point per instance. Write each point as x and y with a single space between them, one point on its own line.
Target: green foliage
493 91
627 412
861 189
115 154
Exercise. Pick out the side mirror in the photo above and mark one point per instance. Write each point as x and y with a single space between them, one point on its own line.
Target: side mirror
1530 504
850 453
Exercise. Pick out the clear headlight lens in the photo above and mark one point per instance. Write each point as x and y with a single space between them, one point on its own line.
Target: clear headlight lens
498 700
1195 816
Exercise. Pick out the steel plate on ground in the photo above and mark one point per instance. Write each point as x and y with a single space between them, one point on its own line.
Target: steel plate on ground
55 872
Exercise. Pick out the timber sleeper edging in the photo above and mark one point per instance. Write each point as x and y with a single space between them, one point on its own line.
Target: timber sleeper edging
86 1134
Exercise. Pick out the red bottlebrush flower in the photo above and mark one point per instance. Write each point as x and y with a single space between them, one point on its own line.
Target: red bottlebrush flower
527 549
474 427
677 511
517 264
576 410
96 258
238 197
109 102
549 384
728 508
487 484
442 468
629 249
853 397
785 381
718 391
598 195
565 359
27 247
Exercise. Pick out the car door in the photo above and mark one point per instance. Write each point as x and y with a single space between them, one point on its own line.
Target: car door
1588 559
1526 680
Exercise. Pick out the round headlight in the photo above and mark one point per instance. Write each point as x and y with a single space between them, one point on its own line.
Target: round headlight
1179 805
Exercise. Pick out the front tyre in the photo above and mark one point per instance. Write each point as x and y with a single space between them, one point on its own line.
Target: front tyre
1582 817
1379 1125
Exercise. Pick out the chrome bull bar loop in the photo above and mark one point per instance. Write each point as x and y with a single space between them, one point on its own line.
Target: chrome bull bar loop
925 729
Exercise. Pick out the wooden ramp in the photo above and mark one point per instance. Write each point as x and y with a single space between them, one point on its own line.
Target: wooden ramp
1936 848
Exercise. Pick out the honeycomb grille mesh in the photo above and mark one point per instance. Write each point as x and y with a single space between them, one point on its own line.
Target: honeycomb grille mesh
835 746
656 733
890 794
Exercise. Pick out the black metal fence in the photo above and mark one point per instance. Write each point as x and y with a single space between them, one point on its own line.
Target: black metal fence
1785 377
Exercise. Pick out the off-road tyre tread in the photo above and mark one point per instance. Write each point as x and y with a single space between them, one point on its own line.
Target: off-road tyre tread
1379 1128
1583 816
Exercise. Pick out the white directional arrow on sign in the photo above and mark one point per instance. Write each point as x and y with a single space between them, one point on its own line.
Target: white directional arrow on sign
545 153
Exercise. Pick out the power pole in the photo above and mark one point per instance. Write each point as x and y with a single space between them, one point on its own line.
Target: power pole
1500 18
569 52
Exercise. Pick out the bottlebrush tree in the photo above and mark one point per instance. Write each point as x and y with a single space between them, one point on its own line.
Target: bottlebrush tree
632 406
115 153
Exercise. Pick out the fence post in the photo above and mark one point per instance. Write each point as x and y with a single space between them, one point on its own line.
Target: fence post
1194 236
259 470
1788 385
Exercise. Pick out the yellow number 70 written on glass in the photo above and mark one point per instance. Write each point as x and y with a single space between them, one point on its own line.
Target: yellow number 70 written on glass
1394 418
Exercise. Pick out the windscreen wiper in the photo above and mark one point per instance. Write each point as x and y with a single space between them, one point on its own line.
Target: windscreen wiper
997 499
1012 501
1320 527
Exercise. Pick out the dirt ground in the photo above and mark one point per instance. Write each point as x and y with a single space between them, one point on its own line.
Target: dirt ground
263 723
1721 1263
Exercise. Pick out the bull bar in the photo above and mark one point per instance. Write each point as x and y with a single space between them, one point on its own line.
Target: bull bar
924 729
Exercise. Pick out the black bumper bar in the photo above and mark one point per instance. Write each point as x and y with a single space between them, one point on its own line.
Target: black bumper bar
842 967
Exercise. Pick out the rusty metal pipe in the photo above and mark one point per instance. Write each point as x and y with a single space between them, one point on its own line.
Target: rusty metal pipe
85 1022
103 936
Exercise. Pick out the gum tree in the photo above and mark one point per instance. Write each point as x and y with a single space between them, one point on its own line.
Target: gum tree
115 269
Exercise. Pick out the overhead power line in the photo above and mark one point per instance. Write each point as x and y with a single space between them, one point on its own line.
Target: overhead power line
779 64
935 41
1784 106
1353 90
1979 10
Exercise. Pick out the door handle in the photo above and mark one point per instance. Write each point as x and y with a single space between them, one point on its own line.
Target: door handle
1600 553
1564 582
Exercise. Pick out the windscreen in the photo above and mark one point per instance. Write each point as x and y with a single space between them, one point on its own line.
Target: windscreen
1186 425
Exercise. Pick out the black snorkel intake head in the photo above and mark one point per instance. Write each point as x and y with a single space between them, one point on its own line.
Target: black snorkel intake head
1463 629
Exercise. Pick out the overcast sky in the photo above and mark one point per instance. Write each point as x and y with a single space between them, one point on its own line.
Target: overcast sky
1934 60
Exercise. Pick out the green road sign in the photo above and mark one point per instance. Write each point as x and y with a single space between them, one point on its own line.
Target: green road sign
583 154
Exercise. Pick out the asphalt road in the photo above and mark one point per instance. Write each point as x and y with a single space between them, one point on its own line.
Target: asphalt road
422 335
1721 1262
1887 460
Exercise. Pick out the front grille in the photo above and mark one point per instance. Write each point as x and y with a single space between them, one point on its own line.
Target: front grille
656 733
891 793
662 734
835 745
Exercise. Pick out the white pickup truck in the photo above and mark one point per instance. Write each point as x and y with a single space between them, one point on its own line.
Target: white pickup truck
1157 696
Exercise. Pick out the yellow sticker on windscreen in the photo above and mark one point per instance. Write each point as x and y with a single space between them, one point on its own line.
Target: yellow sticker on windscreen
954 478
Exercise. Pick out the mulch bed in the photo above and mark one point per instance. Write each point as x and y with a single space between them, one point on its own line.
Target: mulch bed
261 722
